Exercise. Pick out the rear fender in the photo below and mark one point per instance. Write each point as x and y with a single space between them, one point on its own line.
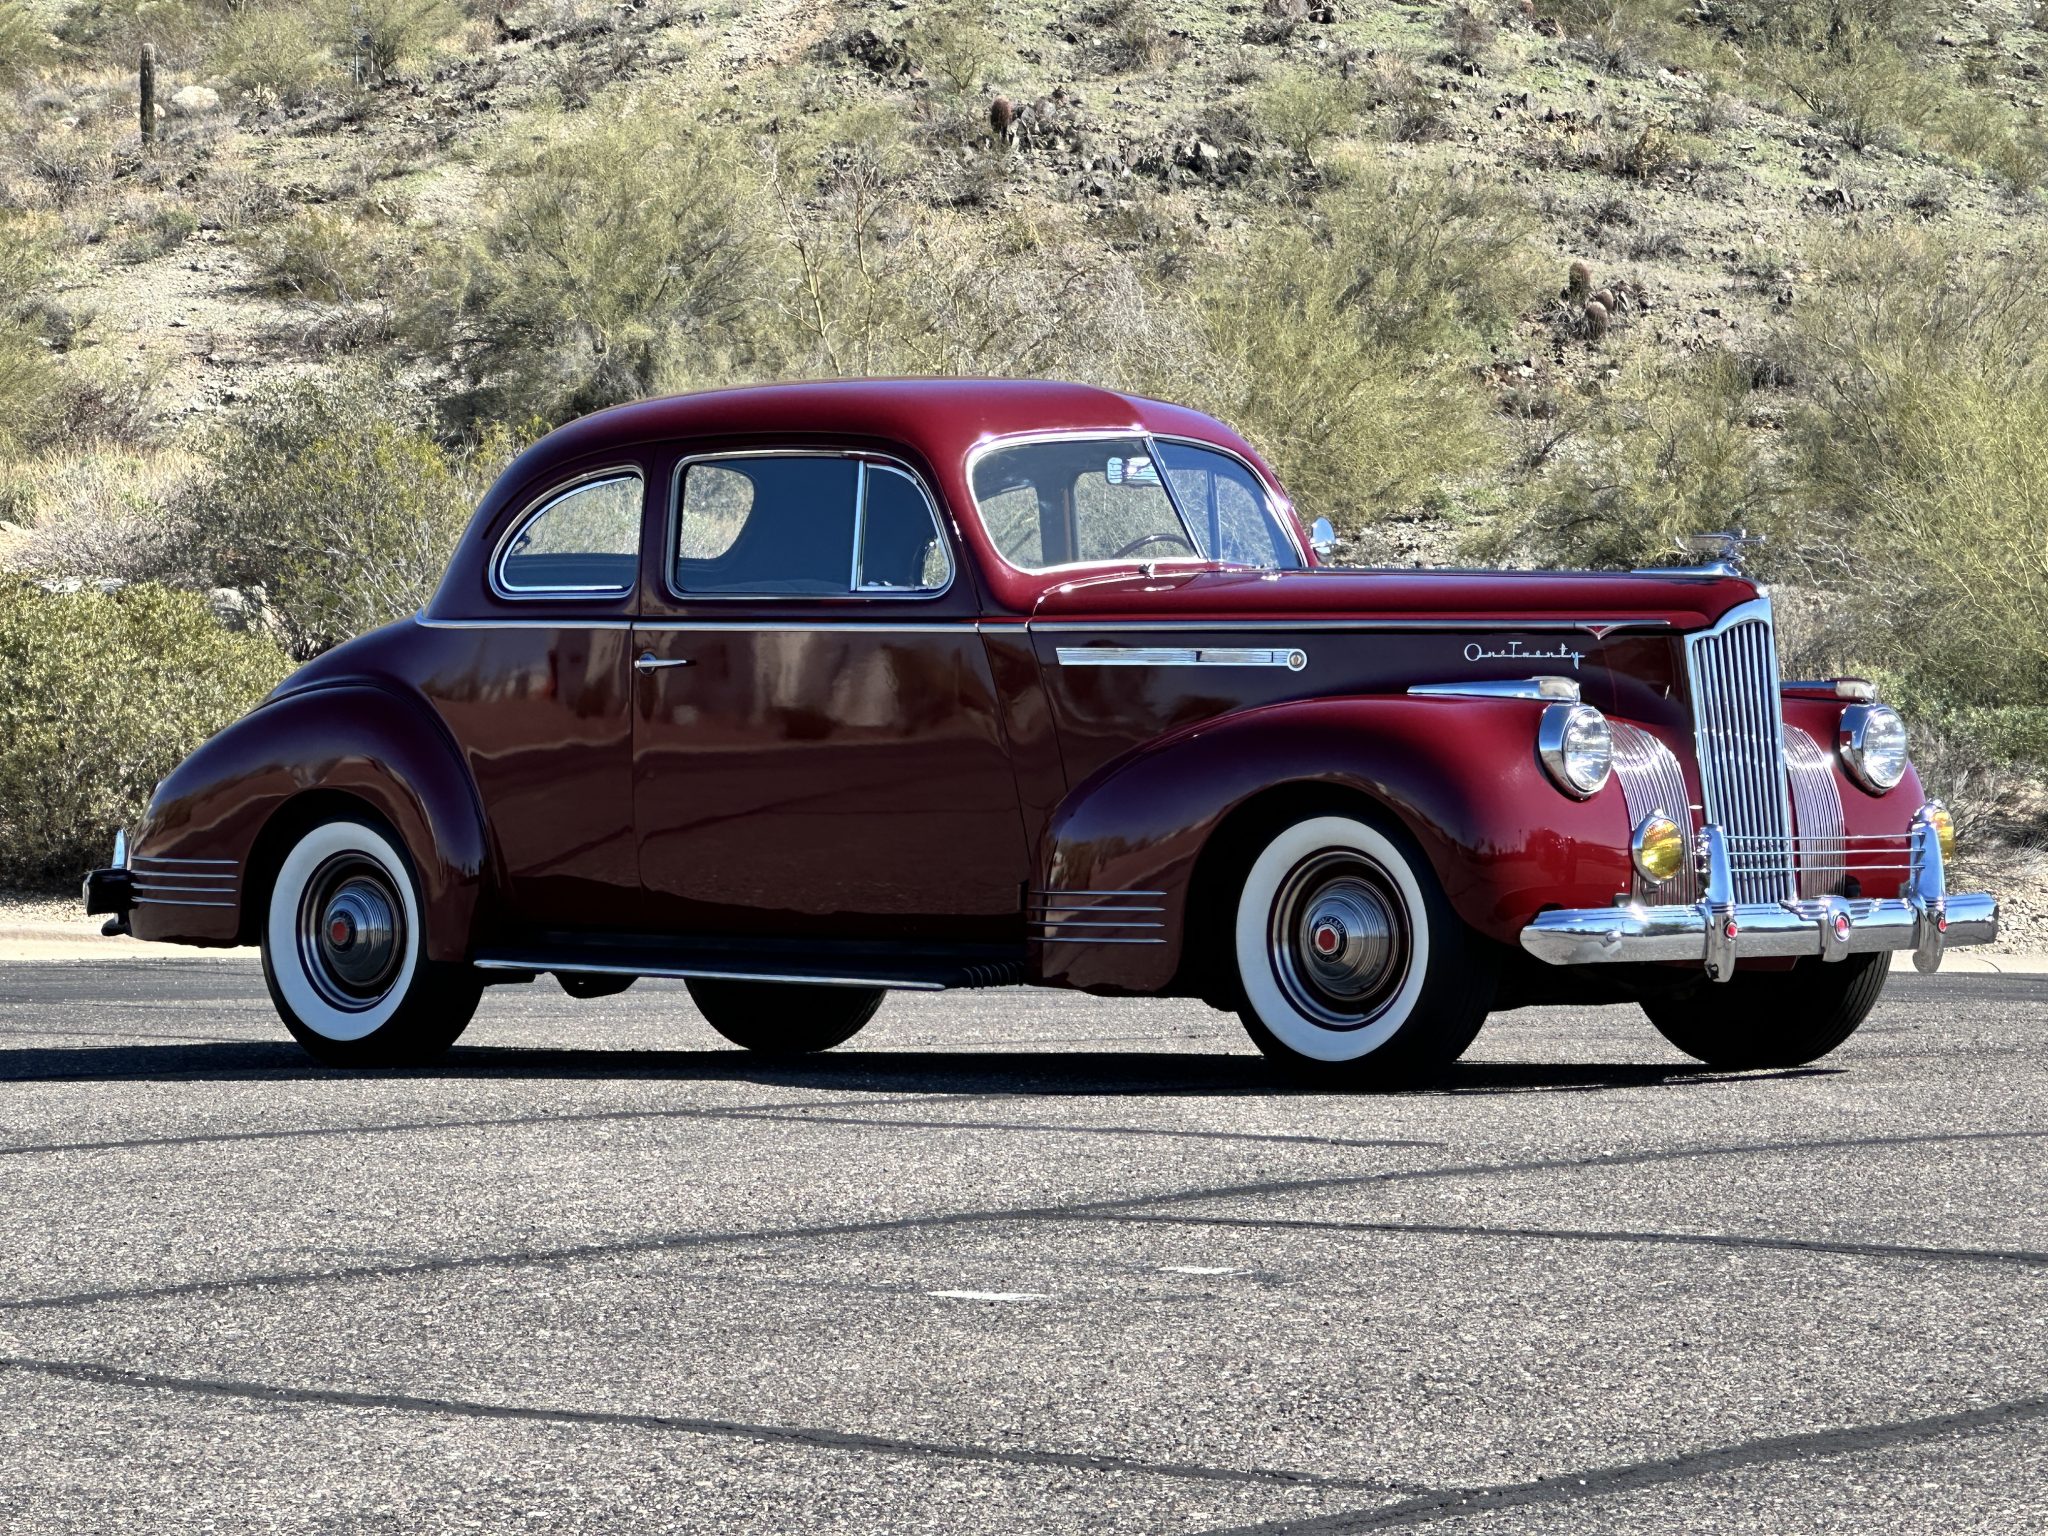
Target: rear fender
1460 775
219 825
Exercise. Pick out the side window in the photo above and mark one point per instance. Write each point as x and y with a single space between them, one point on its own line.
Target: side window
809 525
1227 507
585 540
901 549
770 526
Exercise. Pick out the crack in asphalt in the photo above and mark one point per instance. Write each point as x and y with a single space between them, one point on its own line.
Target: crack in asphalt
2026 1258
1076 1210
786 1434
1631 1477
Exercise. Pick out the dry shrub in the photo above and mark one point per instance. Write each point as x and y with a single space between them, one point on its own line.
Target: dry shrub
334 499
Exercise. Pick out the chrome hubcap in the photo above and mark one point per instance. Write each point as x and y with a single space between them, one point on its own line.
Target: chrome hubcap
1339 938
351 932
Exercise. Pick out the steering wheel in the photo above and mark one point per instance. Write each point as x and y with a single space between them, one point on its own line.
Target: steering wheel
1153 538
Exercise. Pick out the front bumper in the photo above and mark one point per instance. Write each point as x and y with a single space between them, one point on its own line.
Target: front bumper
112 889
1717 933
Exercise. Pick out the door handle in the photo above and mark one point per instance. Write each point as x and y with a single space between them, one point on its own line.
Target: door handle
649 662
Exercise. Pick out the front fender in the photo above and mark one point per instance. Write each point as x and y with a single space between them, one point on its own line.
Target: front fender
212 825
1460 774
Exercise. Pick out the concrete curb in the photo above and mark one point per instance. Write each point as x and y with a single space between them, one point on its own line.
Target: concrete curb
84 941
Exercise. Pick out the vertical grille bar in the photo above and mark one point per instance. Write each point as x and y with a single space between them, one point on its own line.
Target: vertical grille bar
1817 816
1652 781
1740 737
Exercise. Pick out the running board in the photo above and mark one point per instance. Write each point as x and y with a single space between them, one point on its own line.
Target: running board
923 972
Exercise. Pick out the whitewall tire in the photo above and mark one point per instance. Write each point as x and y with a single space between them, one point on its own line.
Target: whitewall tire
1351 963
344 952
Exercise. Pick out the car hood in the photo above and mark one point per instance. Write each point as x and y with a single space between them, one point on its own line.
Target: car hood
1594 599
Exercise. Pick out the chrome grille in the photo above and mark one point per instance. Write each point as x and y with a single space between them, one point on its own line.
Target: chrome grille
1739 735
1652 781
1816 813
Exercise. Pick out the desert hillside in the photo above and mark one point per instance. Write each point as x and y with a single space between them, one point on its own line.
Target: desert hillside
1554 281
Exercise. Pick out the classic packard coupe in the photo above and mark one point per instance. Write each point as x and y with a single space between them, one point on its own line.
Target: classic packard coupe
808 692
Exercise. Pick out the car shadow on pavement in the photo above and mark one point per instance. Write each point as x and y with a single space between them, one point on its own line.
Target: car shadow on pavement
993 1072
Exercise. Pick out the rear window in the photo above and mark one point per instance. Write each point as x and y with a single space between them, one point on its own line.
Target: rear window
584 539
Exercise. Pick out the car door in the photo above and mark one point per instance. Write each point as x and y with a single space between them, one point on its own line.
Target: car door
817 744
533 678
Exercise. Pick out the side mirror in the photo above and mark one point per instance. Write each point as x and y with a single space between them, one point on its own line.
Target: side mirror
1322 538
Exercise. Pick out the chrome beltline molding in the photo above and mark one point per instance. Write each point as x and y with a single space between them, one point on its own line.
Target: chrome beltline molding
1293 660
1559 689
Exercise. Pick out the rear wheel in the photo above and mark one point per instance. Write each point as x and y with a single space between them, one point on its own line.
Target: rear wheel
1354 969
1772 1018
344 953
783 1018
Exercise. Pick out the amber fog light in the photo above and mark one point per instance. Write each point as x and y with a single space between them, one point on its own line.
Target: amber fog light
1658 848
1938 816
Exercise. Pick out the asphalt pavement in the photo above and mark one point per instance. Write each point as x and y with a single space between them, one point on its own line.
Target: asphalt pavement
1011 1261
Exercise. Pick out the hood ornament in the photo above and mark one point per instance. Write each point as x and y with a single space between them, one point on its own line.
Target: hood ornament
1714 554
1722 548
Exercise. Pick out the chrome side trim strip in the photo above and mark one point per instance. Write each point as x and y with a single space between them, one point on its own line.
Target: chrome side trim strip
1079 922
139 861
1054 939
1180 656
1051 910
897 983
1563 689
1268 626
164 901
1097 893
771 626
567 621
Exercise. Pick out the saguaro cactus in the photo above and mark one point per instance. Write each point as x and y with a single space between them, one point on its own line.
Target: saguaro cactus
146 78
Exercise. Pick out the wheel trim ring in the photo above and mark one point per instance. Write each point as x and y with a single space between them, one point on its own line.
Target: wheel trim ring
1345 895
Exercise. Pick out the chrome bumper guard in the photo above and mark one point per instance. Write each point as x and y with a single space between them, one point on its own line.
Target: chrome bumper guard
1717 933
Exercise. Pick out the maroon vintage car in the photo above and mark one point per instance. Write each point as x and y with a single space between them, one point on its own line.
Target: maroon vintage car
808 692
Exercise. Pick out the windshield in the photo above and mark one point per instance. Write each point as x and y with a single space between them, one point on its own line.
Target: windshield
1079 501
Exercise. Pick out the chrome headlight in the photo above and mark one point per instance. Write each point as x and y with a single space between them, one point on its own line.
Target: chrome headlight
1576 746
1873 746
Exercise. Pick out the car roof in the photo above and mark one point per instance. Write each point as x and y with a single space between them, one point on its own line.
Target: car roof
939 417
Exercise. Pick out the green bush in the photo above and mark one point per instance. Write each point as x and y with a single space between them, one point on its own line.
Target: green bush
1303 109
313 255
277 52
620 262
335 501
105 693
25 42
1660 452
380 40
1343 344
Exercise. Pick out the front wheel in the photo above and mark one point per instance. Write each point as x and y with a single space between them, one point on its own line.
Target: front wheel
1772 1018
1355 970
344 956
783 1018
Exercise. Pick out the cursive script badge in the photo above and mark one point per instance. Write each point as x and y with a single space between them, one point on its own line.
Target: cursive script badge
1515 652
